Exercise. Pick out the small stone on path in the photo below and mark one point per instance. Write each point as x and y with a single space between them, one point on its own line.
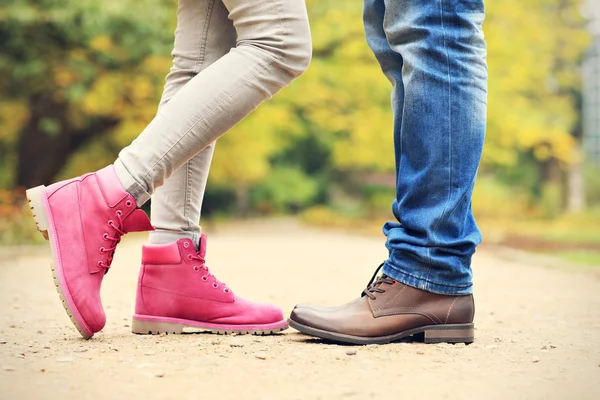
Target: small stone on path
260 357
236 343
351 352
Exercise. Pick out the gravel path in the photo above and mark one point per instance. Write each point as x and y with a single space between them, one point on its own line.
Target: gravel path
538 330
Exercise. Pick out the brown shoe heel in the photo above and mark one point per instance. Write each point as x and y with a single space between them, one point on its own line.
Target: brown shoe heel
450 333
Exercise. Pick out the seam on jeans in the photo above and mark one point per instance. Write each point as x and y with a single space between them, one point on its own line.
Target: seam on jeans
187 195
204 38
450 309
280 19
418 278
444 211
241 85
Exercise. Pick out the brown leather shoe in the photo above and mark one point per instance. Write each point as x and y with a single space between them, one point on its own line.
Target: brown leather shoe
388 311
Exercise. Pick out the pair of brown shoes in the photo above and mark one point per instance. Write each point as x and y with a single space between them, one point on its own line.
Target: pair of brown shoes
389 311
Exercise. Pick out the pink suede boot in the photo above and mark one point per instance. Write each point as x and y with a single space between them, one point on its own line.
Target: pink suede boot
84 219
177 294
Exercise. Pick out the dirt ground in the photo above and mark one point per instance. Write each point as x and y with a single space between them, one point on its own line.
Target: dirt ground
537 337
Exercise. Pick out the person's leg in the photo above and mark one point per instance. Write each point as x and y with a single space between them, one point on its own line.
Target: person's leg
85 217
439 137
176 292
204 34
273 47
433 52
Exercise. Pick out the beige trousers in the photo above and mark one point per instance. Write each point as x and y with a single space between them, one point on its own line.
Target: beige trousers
229 57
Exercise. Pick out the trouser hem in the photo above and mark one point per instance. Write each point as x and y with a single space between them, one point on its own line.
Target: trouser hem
398 273
133 187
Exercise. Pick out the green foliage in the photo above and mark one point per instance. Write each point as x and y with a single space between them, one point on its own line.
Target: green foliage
285 189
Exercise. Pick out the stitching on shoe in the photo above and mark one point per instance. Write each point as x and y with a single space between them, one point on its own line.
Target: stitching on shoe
450 309
393 298
185 295
425 314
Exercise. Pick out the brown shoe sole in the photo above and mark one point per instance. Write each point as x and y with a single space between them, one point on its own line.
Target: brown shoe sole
446 333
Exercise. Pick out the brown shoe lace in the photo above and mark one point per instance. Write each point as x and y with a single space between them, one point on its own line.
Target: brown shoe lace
375 283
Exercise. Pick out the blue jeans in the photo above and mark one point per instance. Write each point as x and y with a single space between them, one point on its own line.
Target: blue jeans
433 52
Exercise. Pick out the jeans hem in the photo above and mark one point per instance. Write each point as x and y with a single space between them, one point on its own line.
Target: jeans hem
422 283
131 186
166 237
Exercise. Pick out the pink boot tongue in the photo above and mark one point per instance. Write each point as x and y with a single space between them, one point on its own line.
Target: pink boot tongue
137 221
202 246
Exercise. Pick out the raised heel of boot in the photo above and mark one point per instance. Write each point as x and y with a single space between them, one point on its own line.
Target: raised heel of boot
142 327
450 333
36 203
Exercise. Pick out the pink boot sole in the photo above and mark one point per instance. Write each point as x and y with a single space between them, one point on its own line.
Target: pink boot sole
146 324
38 203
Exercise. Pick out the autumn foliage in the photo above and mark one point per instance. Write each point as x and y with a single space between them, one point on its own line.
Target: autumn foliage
81 78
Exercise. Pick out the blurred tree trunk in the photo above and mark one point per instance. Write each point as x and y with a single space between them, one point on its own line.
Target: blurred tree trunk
242 199
45 144
575 186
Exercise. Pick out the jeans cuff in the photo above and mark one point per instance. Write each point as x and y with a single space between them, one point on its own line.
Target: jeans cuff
162 236
424 283
133 187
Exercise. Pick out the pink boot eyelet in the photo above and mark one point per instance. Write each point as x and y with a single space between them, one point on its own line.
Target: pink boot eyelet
196 268
100 264
186 244
119 213
215 285
128 203
225 290
102 249
204 278
189 256
105 236
111 223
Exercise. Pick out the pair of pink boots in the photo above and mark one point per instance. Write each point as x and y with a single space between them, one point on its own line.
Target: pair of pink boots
84 219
